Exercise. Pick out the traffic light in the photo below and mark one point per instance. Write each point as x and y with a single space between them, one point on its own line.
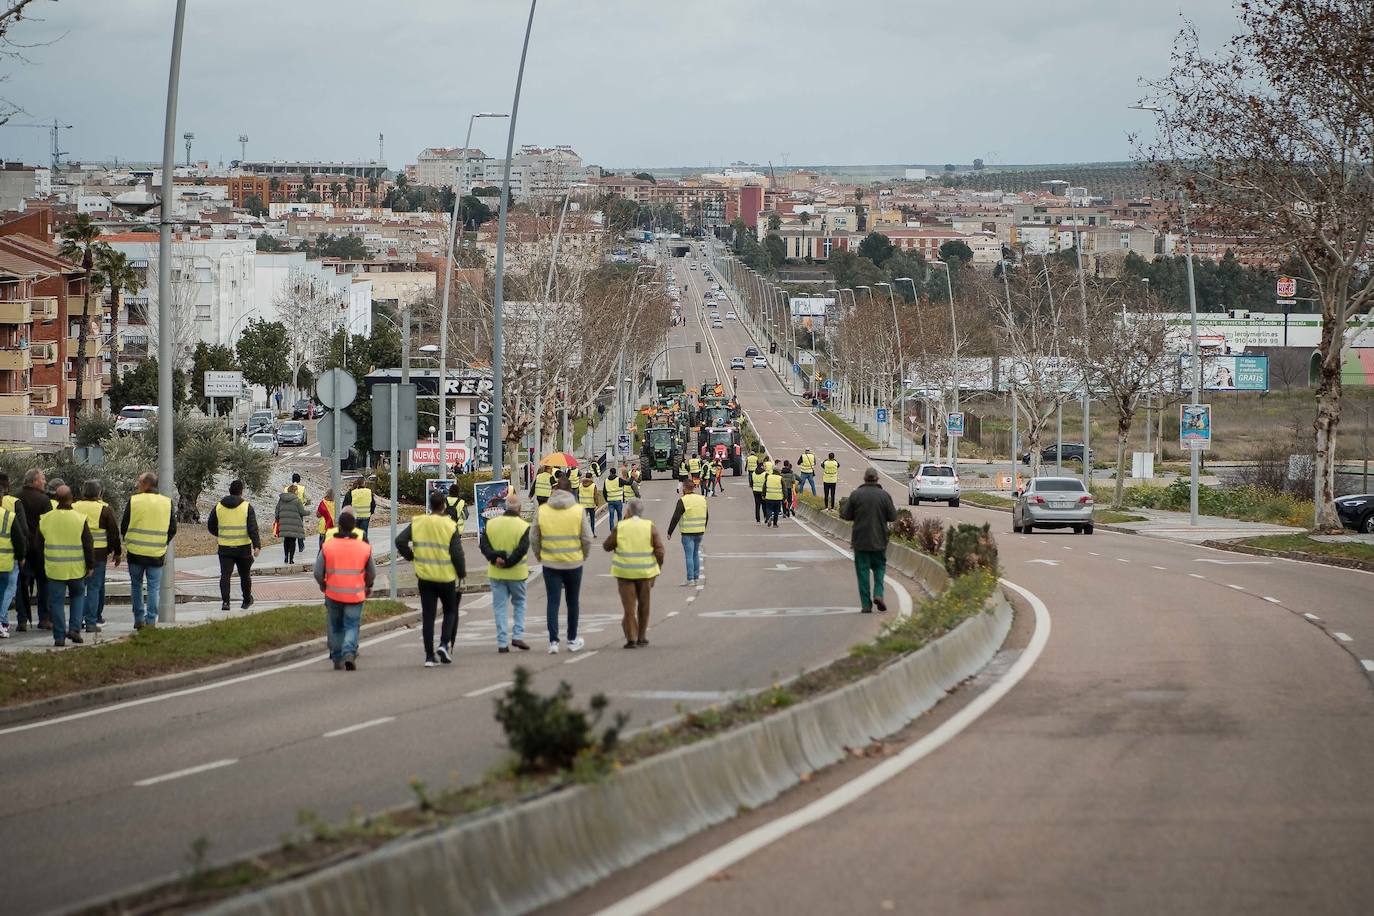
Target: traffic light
772 348
698 346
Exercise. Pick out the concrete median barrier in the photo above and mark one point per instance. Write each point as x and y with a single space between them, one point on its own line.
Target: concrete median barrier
521 857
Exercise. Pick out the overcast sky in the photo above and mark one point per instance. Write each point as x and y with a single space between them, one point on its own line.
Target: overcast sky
625 82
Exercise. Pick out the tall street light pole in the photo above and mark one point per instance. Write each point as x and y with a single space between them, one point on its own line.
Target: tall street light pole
921 332
443 310
954 335
166 412
901 368
1083 294
868 290
497 337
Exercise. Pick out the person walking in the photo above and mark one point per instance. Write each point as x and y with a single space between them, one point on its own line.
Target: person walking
756 482
505 543
345 573
691 511
235 526
105 545
457 507
300 488
542 485
364 503
806 465
789 488
148 526
325 513
434 543
13 549
830 476
586 498
871 509
719 469
619 487
64 539
751 464
33 584
637 552
773 492
290 519
561 539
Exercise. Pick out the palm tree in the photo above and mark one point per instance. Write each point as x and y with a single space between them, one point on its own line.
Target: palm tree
334 189
115 273
372 190
804 217
350 184
273 185
81 241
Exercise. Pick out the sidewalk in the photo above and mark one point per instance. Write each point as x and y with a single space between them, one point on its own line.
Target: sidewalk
1174 526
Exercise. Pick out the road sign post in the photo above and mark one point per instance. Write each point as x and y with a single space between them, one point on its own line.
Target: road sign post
394 422
1194 426
336 390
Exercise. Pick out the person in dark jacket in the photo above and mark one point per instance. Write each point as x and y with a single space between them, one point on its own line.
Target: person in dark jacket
871 510
290 518
19 543
105 538
34 498
235 524
437 580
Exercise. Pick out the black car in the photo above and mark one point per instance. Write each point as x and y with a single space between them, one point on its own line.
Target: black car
1073 451
1357 512
752 351
304 409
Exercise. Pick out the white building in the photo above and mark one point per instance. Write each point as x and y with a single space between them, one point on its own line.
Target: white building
349 298
535 171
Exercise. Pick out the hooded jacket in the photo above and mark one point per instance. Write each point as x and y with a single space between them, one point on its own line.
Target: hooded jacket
562 499
212 526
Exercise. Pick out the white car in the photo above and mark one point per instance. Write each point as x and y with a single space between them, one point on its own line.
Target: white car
760 362
730 316
737 362
263 442
136 418
934 482
717 323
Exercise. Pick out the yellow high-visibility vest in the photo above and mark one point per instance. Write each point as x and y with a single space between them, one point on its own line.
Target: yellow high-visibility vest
543 484
300 491
772 487
830 471
694 466
233 525
6 539
756 480
329 506
63 555
430 536
807 463
150 518
504 533
693 514
361 501
560 534
751 463
615 491
91 508
634 550
457 505
586 496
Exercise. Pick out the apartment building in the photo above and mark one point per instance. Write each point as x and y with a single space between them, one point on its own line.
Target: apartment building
536 171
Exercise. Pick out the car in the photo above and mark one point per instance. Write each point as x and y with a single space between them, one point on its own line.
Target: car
292 432
1073 451
304 409
136 418
730 316
260 421
715 315
760 362
751 351
1053 502
717 323
935 482
263 442
818 394
737 362
1357 512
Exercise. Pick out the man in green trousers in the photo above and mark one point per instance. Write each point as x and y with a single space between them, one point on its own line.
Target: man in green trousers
871 510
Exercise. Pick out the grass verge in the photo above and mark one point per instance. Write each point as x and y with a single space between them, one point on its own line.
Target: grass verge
1112 517
28 676
1302 543
858 439
987 500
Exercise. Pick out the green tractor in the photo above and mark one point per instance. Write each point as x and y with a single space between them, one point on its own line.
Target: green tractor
662 451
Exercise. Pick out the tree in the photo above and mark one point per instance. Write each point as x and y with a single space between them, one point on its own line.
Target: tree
115 273
774 222
307 307
474 212
208 358
254 205
1277 133
950 167
620 214
273 186
645 176
81 242
263 350
956 250
203 450
978 165
804 217
849 270
776 248
343 247
139 386
270 244
876 247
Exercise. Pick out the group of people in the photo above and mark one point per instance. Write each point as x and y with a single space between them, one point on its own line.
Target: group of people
776 487
707 474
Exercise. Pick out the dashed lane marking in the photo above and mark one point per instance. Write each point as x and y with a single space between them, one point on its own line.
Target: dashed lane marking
1160 568
1122 560
1196 576
1343 637
359 727
1308 616
189 771
1368 663
492 689
1271 600
581 658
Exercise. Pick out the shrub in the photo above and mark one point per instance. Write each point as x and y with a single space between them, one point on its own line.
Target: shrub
969 548
930 536
92 427
905 525
410 486
548 733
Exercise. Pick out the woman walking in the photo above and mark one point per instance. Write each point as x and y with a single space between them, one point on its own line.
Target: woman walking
291 522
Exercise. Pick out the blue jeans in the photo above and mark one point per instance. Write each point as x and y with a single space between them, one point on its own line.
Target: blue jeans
58 590
344 621
362 525
512 590
807 479
9 587
691 550
137 571
556 581
95 594
613 510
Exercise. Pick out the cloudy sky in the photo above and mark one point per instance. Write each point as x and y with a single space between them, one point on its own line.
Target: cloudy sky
625 82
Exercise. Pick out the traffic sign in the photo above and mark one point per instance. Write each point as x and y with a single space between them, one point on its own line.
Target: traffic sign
829 384
1287 287
348 434
336 389
223 384
954 424
406 419
882 414
796 368
623 444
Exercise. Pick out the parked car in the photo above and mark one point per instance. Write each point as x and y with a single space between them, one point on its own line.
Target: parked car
136 418
1053 502
751 351
1073 451
935 482
1357 512
819 394
292 432
760 362
263 442
304 409
737 362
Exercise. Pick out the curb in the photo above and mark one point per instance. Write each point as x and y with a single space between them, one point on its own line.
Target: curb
1300 555
923 569
526 855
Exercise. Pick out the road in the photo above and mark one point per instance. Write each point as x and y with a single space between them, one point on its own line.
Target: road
122 794
1188 741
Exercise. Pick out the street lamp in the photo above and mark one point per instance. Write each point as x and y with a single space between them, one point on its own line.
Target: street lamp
954 335
1083 293
901 368
869 291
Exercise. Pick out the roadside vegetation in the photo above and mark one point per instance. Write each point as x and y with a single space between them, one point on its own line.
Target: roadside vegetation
1302 543
860 440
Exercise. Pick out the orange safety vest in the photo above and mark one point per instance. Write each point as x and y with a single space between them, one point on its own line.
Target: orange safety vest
345 561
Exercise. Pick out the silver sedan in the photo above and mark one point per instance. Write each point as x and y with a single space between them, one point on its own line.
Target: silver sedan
1053 502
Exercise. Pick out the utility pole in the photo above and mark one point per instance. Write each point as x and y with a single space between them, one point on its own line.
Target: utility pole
243 148
381 148
189 138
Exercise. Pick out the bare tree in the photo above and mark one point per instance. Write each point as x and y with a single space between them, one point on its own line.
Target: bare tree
308 308
13 12
183 305
1277 134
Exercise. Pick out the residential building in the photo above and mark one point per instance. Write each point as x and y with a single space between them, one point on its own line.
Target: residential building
357 170
536 171
18 183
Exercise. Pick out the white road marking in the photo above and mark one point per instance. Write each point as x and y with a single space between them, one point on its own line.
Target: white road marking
1122 560
1196 576
492 689
1094 553
1368 663
689 876
189 771
675 613
1233 562
359 727
1045 562
581 658
1160 568
1239 588
1343 637
1271 600
1068 548
1308 616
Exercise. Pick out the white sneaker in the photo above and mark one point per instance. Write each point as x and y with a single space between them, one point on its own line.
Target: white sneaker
431 663
553 648
576 644
4 632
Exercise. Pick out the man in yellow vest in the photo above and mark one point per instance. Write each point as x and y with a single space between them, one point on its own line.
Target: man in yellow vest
586 498
614 493
505 542
751 463
456 506
806 469
636 552
560 540
542 485
33 497
830 477
106 544
694 468
345 573
364 504
14 542
692 513
235 525
756 481
434 543
148 526
68 558
773 492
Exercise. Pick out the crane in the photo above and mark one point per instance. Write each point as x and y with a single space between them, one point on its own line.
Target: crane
52 129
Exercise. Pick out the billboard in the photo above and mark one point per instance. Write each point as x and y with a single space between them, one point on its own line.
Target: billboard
489 496
1194 426
1228 373
810 311
427 453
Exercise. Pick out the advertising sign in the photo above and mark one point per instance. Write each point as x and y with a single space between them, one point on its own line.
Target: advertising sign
1229 373
1194 426
440 485
482 451
1287 287
489 496
954 424
427 453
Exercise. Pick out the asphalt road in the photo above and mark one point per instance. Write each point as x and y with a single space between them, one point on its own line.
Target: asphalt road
1188 741
115 799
